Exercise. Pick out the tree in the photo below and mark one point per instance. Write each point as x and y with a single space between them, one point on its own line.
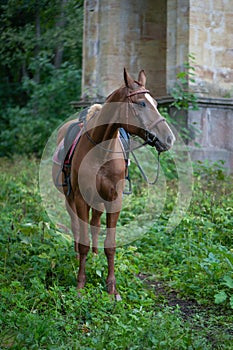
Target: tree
40 63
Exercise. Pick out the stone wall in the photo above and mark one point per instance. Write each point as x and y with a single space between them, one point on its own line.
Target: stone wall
214 124
158 36
211 40
177 39
120 34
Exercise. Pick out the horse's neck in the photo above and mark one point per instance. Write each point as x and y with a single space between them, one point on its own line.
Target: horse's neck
104 127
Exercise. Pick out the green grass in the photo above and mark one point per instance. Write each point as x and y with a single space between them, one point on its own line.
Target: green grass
193 265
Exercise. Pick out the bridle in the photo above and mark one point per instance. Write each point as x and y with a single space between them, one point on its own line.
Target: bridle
138 92
151 140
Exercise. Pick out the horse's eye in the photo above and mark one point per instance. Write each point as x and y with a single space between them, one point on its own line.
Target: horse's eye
142 104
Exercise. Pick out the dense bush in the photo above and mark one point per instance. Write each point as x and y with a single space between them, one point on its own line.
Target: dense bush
29 127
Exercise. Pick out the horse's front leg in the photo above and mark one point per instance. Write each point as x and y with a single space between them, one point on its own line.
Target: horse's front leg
84 241
110 249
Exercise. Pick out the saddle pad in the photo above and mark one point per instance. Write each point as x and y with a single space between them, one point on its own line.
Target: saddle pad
65 149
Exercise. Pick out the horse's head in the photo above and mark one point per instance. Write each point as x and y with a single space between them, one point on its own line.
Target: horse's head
145 119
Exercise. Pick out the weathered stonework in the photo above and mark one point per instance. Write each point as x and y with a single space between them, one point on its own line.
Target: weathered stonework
214 124
158 36
120 34
211 40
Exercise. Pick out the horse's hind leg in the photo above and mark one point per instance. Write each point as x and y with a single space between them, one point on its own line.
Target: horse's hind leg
79 225
110 249
95 228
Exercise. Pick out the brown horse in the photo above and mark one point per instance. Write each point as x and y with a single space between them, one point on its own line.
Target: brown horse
98 166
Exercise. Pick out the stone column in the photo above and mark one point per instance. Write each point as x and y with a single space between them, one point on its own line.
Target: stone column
90 48
177 38
211 40
120 34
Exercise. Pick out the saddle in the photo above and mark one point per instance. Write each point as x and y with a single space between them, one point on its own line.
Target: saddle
65 150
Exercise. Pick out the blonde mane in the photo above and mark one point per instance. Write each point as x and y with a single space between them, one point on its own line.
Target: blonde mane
93 110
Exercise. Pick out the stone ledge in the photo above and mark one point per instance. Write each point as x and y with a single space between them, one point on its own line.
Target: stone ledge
214 102
218 102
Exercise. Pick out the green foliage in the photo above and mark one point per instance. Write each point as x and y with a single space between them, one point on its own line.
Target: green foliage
40 70
29 127
39 306
197 254
183 97
183 100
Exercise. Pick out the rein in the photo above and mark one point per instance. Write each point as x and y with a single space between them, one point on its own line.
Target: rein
144 174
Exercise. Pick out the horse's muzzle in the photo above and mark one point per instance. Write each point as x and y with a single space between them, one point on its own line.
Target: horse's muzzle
153 141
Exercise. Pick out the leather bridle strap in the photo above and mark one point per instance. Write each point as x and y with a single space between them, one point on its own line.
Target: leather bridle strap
133 93
145 91
156 122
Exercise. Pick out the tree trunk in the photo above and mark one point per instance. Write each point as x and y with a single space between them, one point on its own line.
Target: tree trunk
38 37
60 24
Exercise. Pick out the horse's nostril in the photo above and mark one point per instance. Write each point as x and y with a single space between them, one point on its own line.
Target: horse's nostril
169 140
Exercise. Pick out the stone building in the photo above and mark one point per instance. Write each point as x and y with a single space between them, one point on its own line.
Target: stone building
158 36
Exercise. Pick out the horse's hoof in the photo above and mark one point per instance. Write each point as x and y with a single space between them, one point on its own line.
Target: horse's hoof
95 251
118 297
80 286
79 295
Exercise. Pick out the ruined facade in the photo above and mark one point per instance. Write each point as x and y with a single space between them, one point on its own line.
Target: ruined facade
158 36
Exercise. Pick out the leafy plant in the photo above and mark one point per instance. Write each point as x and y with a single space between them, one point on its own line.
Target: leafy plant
183 97
183 101
39 306
226 294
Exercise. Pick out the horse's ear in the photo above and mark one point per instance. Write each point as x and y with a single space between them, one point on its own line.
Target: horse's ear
142 77
128 80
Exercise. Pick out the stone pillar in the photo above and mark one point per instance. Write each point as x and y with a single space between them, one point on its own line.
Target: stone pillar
211 40
158 36
90 48
120 34
177 39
